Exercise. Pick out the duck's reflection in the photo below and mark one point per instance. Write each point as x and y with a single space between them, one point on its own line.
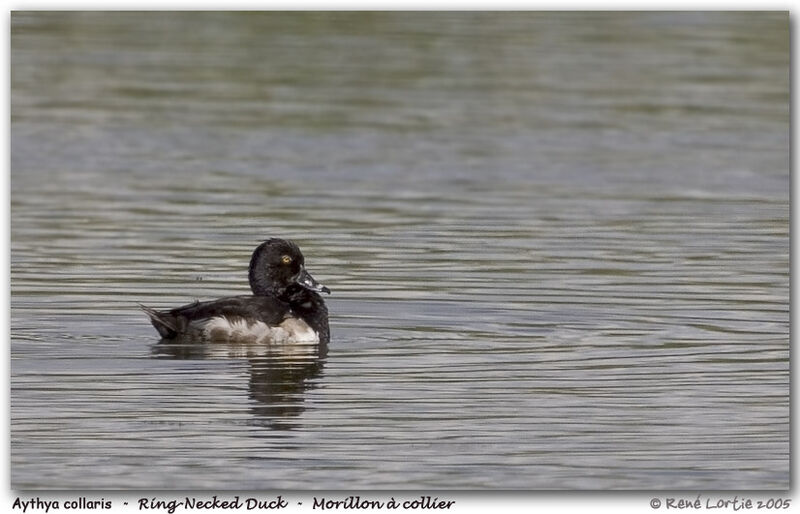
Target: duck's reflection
279 377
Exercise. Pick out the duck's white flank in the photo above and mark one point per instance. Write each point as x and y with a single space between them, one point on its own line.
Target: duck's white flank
290 331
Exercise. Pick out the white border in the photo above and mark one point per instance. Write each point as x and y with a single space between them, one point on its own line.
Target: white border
466 502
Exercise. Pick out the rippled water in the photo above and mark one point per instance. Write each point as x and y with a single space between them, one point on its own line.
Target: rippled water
558 245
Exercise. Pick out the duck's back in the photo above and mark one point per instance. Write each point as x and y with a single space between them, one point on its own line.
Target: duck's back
238 313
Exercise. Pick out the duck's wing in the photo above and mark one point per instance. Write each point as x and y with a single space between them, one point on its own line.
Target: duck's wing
175 322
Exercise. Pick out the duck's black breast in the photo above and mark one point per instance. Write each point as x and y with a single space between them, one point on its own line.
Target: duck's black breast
309 307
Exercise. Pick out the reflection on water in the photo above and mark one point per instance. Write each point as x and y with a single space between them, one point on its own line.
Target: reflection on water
558 245
278 375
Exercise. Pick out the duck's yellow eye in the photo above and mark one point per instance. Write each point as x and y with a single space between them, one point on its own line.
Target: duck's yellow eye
286 259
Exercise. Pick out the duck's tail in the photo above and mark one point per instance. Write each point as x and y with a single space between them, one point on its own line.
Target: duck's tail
162 322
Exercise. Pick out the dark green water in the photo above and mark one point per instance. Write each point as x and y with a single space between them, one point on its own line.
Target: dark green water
558 246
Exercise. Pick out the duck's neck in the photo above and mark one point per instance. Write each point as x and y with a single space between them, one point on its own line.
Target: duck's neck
260 289
260 283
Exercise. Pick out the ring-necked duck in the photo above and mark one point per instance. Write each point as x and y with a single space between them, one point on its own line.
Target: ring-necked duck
285 307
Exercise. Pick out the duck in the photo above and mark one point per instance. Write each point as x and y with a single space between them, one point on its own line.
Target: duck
285 306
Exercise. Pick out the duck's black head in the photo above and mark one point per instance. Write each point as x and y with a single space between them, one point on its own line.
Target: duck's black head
278 264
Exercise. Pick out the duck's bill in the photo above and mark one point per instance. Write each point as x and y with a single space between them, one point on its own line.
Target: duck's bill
305 279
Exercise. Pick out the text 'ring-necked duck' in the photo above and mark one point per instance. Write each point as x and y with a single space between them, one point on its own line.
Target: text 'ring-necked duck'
285 307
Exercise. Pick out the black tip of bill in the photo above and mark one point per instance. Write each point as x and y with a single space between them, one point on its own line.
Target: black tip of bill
305 279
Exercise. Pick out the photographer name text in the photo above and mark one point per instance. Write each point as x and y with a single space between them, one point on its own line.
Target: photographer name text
735 503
